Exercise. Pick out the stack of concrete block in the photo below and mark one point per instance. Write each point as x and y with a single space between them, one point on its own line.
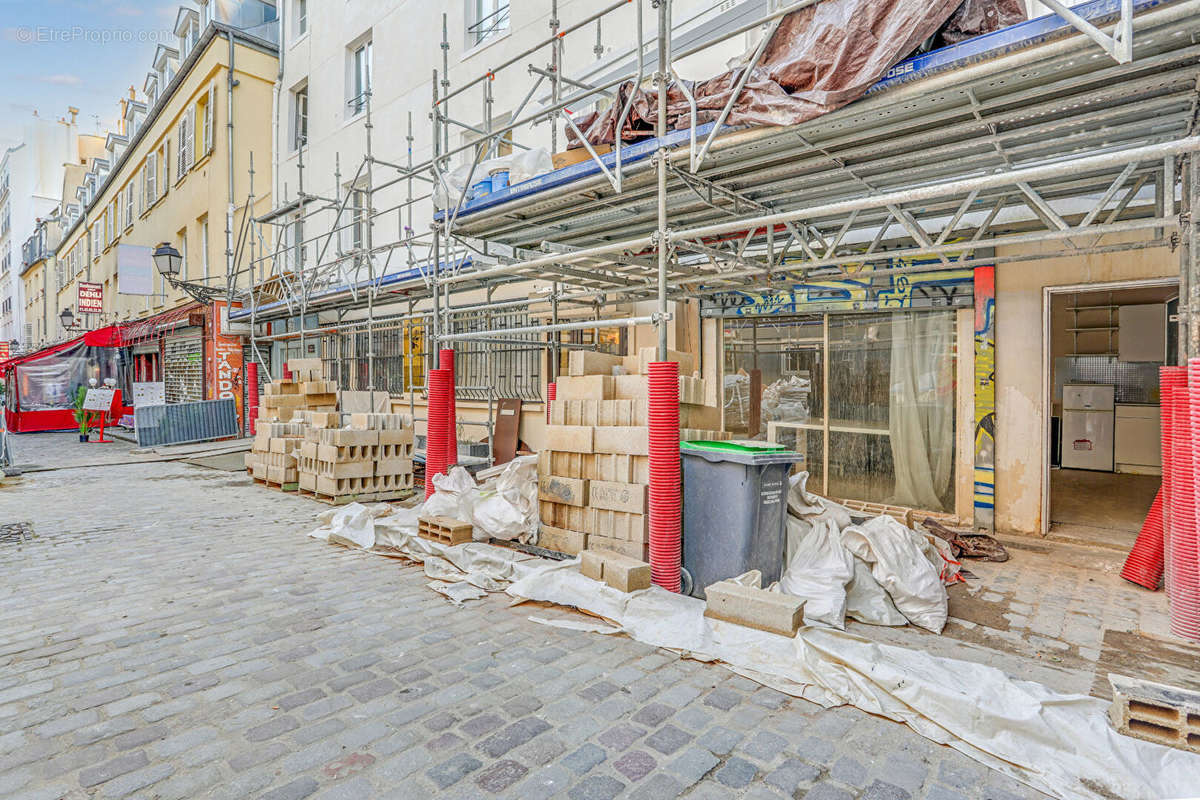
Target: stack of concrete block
370 459
306 390
273 455
593 473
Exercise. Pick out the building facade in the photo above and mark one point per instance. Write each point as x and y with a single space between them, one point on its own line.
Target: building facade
177 171
30 184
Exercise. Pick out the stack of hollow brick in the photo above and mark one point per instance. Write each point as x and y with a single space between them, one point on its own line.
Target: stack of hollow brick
368 459
272 456
593 473
306 390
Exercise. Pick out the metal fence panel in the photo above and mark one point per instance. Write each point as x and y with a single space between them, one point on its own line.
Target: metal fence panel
180 423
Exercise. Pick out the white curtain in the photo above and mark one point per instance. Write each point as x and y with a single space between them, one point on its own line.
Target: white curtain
921 418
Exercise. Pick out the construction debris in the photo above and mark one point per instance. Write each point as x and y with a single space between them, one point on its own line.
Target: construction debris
1156 712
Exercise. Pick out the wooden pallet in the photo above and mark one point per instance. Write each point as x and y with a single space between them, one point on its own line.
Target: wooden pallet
445 530
364 497
283 487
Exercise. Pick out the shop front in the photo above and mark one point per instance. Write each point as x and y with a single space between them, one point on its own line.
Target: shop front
40 387
871 377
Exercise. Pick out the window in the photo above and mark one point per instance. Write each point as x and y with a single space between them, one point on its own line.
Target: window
300 117
204 248
129 205
296 232
301 17
108 225
205 109
488 18
150 180
184 154
360 78
183 261
358 212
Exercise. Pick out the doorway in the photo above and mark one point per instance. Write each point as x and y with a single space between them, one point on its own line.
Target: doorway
1104 347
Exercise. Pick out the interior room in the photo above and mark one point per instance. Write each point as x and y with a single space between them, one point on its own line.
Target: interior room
1106 348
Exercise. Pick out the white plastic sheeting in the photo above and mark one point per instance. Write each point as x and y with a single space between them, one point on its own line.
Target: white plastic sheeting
1059 744
899 565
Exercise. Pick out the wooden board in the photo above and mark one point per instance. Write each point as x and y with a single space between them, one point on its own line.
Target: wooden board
508 424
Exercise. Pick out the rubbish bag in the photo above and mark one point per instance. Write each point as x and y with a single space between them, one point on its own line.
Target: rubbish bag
508 508
786 400
455 495
898 561
867 601
806 505
819 572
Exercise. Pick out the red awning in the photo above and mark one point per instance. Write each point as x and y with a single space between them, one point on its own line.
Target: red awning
5 366
112 336
145 329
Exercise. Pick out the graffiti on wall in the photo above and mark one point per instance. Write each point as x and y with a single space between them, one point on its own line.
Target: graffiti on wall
863 290
985 397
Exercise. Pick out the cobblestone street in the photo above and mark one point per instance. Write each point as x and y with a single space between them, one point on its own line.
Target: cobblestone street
171 631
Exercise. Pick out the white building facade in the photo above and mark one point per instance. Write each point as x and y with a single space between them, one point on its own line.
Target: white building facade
30 184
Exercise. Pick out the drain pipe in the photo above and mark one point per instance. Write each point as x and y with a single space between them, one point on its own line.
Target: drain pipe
230 83
276 95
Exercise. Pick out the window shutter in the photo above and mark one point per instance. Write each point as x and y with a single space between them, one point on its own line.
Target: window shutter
210 120
191 138
164 180
179 151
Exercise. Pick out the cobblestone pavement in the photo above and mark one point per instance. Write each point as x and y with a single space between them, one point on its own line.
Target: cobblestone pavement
171 632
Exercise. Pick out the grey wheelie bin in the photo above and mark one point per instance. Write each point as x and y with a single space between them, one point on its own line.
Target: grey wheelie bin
734 510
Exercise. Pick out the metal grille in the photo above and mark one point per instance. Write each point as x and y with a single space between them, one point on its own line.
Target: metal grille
1135 381
185 422
183 369
515 369
399 358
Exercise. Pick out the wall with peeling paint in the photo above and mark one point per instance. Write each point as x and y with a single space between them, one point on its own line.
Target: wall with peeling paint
1021 449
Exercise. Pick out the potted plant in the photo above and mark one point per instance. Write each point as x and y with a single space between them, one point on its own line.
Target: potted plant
81 416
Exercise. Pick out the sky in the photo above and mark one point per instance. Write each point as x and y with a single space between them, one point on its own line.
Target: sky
81 53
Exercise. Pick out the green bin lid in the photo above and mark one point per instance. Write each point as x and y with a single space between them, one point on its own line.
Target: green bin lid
740 446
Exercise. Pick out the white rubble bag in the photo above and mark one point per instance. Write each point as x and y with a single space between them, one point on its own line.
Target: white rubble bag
521 165
898 562
508 508
818 573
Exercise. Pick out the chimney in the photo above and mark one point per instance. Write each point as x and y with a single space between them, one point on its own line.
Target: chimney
121 121
74 112
132 93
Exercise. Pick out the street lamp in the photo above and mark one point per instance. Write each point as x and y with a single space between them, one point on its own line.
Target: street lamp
168 261
67 318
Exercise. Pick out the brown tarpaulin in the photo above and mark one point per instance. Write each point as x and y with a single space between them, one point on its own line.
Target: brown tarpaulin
819 59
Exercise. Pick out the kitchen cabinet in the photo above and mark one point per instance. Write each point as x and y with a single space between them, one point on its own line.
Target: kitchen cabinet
1137 441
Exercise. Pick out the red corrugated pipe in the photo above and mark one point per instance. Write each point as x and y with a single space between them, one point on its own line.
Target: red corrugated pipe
435 430
665 499
446 363
252 396
551 391
1144 565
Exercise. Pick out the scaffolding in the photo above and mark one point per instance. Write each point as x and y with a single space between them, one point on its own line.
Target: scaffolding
1079 130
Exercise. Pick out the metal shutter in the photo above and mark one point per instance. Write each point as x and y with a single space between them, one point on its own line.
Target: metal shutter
183 368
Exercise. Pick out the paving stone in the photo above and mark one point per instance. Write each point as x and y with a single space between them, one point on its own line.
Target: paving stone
847 770
827 791
481 725
720 740
296 790
723 699
737 773
586 757
620 737
880 790
653 714
791 774
668 739
94 776
501 775
692 765
139 737
271 729
765 746
297 699
635 765
453 769
133 781
512 736
596 787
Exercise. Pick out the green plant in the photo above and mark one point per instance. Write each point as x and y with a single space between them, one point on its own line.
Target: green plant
81 416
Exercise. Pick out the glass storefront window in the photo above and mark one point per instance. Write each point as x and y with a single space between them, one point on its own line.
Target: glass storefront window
890 399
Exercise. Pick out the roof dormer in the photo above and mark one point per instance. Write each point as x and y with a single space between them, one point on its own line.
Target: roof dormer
150 88
187 28
166 61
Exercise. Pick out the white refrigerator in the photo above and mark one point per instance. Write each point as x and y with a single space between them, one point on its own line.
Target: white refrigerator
1087 429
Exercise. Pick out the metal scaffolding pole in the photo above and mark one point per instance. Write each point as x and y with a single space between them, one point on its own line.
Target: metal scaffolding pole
662 238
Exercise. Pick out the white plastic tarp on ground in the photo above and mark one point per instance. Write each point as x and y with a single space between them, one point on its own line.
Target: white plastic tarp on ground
1059 744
